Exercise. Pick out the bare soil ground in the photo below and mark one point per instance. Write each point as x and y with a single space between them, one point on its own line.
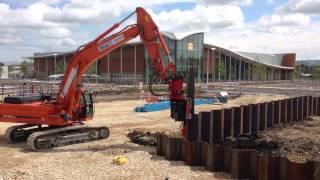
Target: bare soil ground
298 142
94 160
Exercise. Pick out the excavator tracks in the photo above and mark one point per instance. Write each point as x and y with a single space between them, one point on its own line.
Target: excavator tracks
20 133
64 136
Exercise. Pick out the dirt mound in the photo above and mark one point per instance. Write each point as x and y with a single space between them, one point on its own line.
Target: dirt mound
298 142
143 138
264 146
253 99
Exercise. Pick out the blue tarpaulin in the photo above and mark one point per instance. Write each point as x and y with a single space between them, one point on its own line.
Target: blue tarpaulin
163 105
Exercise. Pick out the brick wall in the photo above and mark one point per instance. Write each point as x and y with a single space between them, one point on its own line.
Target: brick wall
127 61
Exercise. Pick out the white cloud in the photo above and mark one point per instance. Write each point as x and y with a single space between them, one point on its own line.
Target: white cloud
30 17
68 42
25 3
301 6
274 33
46 25
50 1
283 24
26 27
84 12
227 2
284 20
201 18
249 39
291 28
7 39
97 11
270 1
56 32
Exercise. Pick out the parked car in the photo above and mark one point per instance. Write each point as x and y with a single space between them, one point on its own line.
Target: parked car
56 77
86 78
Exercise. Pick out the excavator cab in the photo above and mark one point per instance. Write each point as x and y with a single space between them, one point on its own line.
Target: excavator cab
86 104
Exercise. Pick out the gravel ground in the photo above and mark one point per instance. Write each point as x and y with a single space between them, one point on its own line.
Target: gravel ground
93 160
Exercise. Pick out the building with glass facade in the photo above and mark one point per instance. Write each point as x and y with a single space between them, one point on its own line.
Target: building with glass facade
131 63
186 52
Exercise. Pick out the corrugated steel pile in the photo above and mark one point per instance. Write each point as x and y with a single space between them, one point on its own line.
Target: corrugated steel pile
210 132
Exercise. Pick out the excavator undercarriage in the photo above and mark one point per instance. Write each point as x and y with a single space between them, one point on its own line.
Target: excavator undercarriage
41 138
63 136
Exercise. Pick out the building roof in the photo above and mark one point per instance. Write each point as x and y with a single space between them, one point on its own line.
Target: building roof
270 60
169 35
177 36
49 54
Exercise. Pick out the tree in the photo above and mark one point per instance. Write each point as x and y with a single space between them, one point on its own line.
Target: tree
25 68
258 71
298 70
58 68
221 69
91 69
233 74
1 70
248 73
315 73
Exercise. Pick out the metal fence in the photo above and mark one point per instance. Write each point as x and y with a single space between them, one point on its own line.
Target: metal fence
10 87
26 87
21 87
288 87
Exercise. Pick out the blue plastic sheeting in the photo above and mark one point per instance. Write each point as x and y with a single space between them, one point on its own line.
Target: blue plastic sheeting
158 106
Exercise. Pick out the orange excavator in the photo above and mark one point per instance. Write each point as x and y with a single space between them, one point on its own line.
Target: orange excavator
58 121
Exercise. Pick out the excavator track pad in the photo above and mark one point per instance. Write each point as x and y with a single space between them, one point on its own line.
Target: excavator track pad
64 136
21 133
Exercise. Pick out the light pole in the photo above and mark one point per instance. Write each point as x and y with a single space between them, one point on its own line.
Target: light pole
272 67
97 72
212 51
310 71
55 63
208 58
190 48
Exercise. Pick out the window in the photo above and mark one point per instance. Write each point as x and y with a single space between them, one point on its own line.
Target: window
179 52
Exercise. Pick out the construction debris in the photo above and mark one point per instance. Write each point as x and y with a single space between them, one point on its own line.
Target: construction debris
142 138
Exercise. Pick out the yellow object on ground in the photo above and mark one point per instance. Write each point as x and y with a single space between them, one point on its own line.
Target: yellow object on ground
119 160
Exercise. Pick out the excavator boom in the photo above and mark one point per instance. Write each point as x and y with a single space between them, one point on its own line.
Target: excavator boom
150 36
64 114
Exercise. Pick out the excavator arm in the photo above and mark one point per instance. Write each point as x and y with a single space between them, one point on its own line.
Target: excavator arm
63 116
70 90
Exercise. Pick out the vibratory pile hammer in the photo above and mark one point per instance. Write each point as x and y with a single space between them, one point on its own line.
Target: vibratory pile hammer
58 121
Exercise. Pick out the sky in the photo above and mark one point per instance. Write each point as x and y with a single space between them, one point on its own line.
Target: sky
262 26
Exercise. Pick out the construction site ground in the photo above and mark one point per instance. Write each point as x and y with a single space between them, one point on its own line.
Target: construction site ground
94 160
